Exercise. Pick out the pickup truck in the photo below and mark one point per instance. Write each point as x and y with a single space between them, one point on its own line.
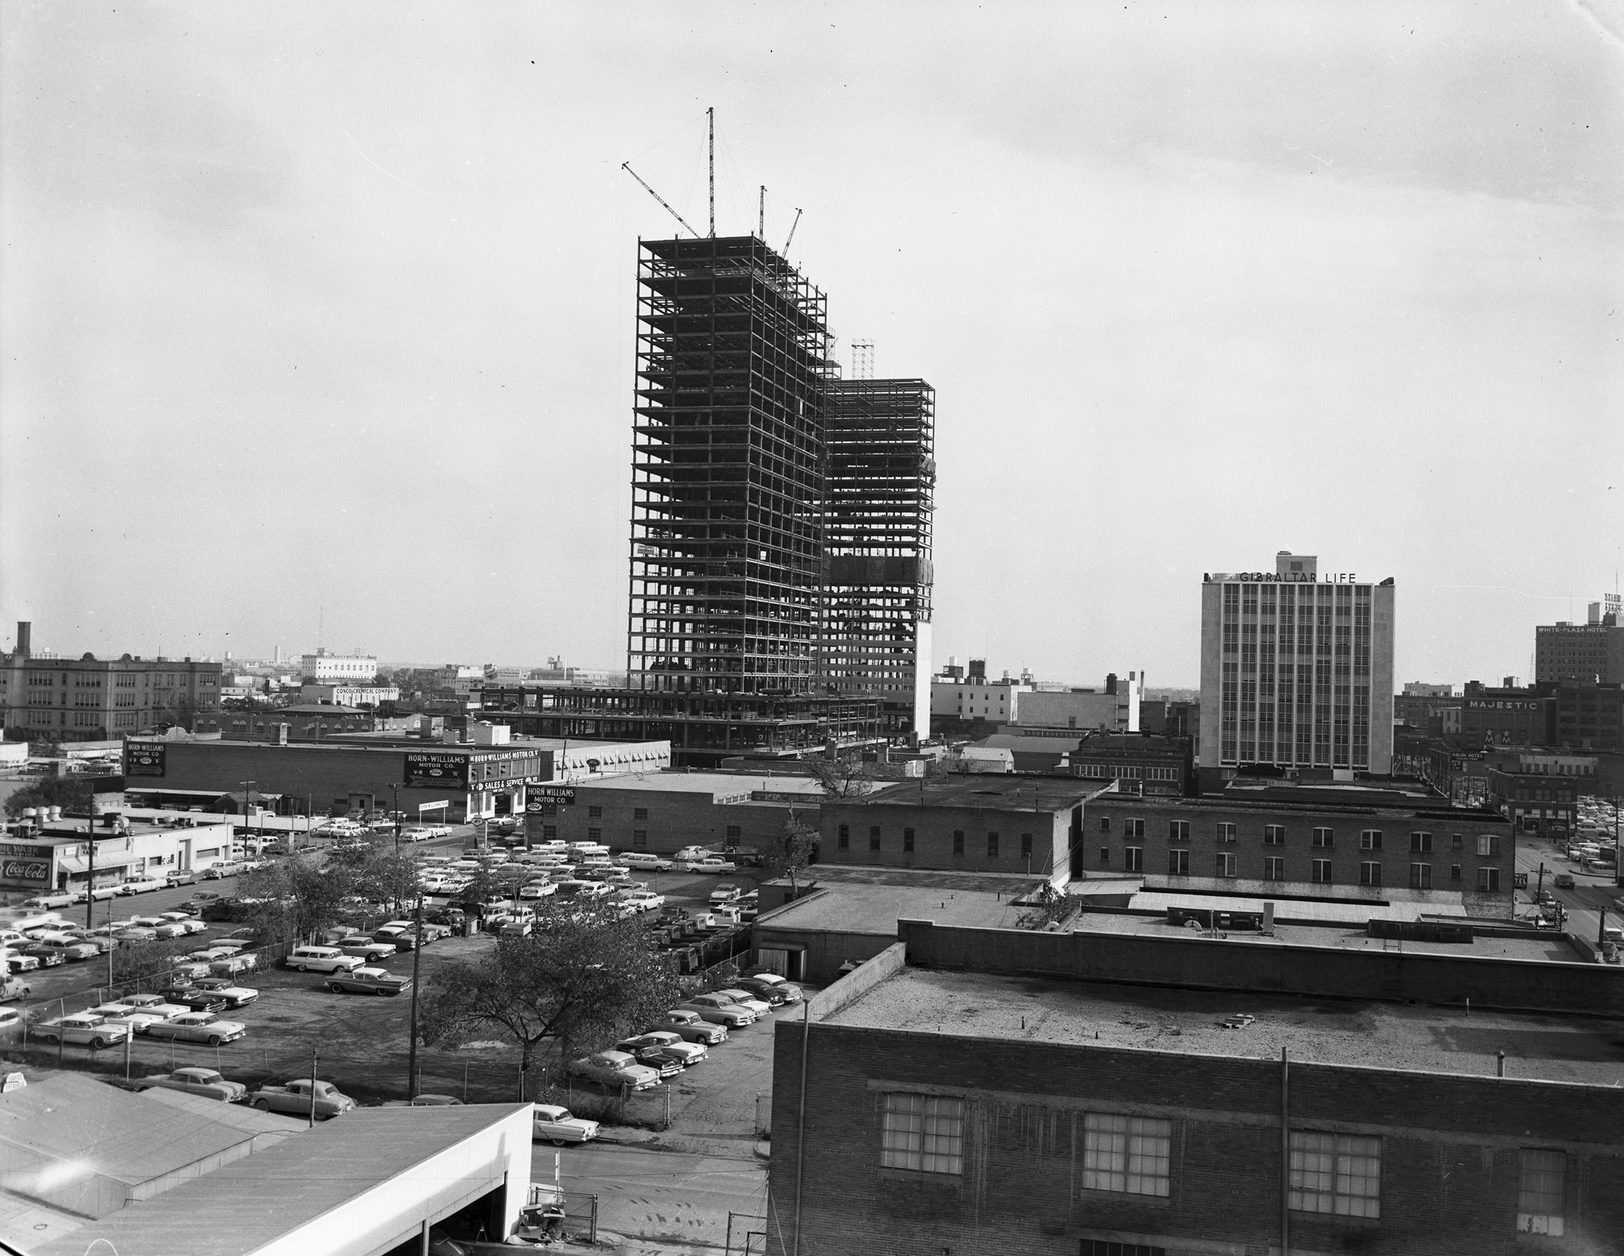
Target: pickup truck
294 1097
367 981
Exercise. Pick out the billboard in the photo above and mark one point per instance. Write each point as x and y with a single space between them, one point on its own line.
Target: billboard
25 862
144 758
437 769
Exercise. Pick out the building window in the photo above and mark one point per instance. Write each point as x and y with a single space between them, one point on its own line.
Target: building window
992 846
843 837
1274 835
1488 844
594 835
1322 839
1105 824
1370 839
594 813
1370 873
1131 1155
1420 876
1105 854
1133 859
1178 830
874 837
907 840
1226 831
958 841
1133 830
1178 863
923 1132
640 813
1488 880
1026 846
1541 1185
1226 863
1454 872
1455 841
1420 843
1322 872
1274 868
1336 1173
639 839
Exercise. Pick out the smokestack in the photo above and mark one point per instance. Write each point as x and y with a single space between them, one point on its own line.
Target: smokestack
25 639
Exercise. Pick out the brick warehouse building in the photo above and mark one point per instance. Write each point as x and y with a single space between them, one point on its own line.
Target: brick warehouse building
921 1112
1301 840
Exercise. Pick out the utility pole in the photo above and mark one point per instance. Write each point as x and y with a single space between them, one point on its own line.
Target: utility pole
315 1055
411 1048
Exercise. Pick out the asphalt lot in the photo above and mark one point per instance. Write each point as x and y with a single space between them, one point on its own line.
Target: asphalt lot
362 1044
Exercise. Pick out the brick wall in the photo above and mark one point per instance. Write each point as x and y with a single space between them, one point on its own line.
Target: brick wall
1183 958
1449 1151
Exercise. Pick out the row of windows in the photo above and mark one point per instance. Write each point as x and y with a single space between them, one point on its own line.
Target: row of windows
1335 1174
843 841
1320 837
1227 864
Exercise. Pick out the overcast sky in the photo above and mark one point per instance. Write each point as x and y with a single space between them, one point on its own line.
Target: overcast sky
318 317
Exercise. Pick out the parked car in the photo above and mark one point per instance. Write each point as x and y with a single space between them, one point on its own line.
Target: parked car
614 1069
206 1082
135 1020
221 870
692 1027
644 860
48 956
772 987
690 854
417 833
643 900
712 867
367 981
369 951
143 885
294 1097
725 893
666 1045
222 988
16 962
745 998
83 1029
321 959
46 902
193 998
180 876
188 923
97 894
198 1027
12 988
555 1125
719 1010
1563 880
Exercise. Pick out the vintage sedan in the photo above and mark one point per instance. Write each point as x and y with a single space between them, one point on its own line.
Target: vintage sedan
154 1003
82 1028
772 987
712 867
557 1126
224 988
614 1069
192 999
745 998
301 1096
206 1082
644 860
663 1044
692 1027
198 1027
719 1010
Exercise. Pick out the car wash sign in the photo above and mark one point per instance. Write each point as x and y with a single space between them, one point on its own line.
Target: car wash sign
20 862
437 769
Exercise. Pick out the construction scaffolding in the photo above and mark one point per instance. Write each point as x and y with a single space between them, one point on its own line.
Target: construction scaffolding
727 471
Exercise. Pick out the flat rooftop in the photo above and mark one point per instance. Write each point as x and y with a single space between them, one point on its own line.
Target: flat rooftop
1545 1047
872 900
996 791
712 783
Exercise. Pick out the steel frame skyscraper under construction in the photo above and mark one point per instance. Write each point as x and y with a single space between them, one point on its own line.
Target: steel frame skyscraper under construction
781 517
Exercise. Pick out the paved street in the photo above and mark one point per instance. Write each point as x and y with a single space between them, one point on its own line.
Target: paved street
1584 902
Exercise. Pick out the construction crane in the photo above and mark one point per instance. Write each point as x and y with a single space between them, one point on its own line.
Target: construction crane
626 166
792 227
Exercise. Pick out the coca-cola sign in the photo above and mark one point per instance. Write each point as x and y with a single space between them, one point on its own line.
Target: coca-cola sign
25 870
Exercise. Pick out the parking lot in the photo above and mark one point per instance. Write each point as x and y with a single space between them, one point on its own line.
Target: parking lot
297 1026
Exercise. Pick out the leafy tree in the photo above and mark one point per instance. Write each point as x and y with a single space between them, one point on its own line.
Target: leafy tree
296 898
582 978
839 778
797 847
386 878
60 791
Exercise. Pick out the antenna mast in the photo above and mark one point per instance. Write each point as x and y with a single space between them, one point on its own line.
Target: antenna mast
626 166
710 127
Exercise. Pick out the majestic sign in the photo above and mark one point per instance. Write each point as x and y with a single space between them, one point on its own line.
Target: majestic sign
144 758
435 768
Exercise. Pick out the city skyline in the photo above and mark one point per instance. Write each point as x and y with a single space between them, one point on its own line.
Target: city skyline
315 328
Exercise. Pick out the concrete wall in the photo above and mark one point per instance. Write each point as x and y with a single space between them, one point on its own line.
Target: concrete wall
1190 960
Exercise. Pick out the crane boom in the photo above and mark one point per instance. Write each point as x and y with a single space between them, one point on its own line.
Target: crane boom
792 227
626 166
